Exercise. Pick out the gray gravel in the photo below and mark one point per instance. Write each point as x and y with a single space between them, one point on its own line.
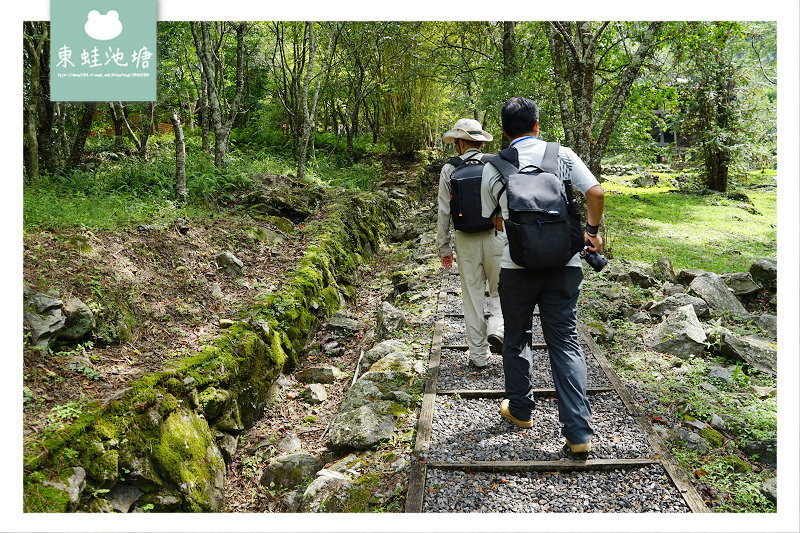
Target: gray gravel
472 430
455 372
639 490
466 430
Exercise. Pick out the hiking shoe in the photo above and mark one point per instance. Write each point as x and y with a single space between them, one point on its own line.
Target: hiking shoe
586 447
495 343
476 366
504 412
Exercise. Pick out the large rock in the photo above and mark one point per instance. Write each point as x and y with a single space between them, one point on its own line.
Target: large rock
361 428
765 451
689 440
326 374
342 324
669 304
741 283
73 486
755 352
712 289
290 471
680 334
768 324
381 350
362 392
122 497
332 492
231 264
188 455
389 321
395 362
770 489
79 320
764 269
638 278
663 270
42 314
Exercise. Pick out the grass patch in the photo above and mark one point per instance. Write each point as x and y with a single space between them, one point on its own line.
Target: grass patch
711 232
114 190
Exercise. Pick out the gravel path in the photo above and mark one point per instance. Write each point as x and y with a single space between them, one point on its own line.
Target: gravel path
467 429
473 430
641 490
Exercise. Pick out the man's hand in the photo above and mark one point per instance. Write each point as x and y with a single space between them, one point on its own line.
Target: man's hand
447 261
498 223
596 241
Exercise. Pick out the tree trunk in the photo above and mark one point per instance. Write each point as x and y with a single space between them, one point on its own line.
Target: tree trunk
573 47
509 61
61 128
205 116
119 126
307 116
32 163
84 127
180 159
147 127
221 119
34 39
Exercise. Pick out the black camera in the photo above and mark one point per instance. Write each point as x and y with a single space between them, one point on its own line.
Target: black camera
595 260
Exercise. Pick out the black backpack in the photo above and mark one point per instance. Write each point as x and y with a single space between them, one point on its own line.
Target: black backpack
544 227
465 195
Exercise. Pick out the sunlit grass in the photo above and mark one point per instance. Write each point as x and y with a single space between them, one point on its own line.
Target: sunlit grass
709 232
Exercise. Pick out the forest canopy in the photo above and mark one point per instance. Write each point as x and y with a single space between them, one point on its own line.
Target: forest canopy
304 89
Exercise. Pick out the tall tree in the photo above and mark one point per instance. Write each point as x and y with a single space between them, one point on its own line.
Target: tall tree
711 96
36 37
211 58
84 128
579 50
146 125
180 158
309 115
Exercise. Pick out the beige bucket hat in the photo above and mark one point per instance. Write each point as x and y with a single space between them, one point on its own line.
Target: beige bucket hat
467 128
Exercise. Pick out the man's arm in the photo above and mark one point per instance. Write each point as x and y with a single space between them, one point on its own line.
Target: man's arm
595 202
443 241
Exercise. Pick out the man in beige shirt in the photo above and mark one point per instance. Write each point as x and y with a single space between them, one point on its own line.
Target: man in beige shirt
479 253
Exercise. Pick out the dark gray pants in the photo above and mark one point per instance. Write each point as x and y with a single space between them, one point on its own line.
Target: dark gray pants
556 291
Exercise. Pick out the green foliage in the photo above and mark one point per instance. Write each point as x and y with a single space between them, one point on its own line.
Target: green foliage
735 490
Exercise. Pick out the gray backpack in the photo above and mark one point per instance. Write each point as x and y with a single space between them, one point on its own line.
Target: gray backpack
544 222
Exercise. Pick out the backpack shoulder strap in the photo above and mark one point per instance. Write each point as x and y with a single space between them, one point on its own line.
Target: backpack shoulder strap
550 159
506 162
457 161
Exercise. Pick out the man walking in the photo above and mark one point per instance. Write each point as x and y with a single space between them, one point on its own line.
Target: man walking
555 290
479 247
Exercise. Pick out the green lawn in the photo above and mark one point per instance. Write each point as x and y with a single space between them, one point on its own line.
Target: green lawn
709 232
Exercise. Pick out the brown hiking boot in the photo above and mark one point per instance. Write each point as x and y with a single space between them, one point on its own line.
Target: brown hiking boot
504 412
586 447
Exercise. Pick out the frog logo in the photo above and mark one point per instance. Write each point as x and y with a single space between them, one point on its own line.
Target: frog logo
103 27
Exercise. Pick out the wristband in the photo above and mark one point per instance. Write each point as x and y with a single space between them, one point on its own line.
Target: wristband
591 230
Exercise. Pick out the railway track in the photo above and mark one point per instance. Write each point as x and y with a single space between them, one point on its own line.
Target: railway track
468 459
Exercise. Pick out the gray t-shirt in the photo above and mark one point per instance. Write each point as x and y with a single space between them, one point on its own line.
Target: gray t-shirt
531 152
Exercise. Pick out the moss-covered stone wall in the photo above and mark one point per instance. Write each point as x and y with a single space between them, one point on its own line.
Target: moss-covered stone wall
162 438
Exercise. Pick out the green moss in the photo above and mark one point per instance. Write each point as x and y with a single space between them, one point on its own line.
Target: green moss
713 437
40 498
737 465
185 451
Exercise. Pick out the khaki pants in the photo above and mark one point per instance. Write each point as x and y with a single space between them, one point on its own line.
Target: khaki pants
478 264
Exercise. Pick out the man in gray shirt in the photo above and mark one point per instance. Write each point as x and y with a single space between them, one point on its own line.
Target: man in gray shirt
555 290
